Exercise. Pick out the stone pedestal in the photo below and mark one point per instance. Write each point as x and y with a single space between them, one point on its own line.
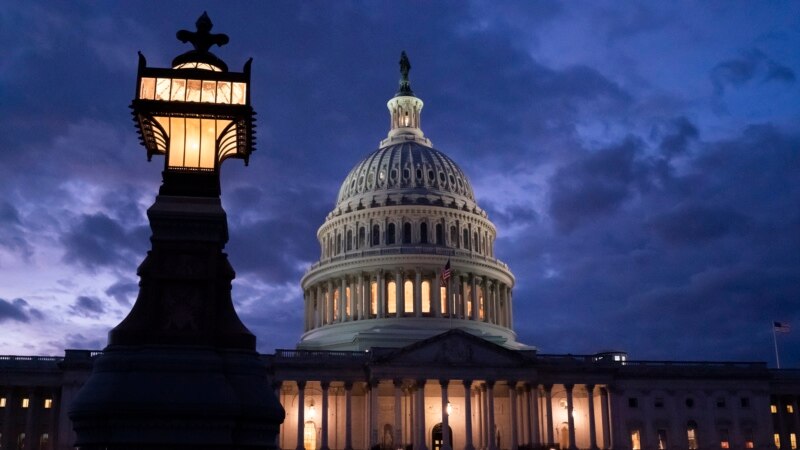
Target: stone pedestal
181 371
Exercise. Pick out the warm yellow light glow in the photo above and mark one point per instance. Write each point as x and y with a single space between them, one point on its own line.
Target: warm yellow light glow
749 444
198 65
312 412
773 409
391 289
2 402
147 90
789 409
408 296
193 142
347 301
724 444
449 409
309 436
426 296
777 438
373 298
193 89
48 403
183 90
793 440
635 440
26 402
443 299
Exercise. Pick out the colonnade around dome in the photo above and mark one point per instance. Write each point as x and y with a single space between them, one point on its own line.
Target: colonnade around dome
399 293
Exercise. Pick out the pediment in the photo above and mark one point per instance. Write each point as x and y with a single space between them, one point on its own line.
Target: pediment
454 348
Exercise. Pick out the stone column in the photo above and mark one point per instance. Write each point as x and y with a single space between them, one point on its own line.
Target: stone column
604 416
436 295
479 413
512 393
490 415
348 418
446 444
418 292
318 307
324 441
381 285
398 290
570 419
301 406
510 308
343 300
373 412
419 443
548 407
398 415
592 425
468 415
474 297
464 300
533 414
329 302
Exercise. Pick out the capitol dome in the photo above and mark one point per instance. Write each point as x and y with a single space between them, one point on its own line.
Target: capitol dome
406 253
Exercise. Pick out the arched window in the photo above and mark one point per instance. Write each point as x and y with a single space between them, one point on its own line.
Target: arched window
453 236
439 234
481 304
406 233
423 233
391 296
475 243
408 297
390 234
376 235
425 291
691 434
349 240
466 239
361 237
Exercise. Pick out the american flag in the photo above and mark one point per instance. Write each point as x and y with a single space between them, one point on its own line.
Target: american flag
446 272
781 327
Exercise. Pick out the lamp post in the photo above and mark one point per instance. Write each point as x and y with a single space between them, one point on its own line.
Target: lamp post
181 370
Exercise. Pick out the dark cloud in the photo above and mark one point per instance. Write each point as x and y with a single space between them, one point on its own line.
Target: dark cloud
86 306
692 224
123 291
596 185
18 310
80 342
681 132
96 240
750 65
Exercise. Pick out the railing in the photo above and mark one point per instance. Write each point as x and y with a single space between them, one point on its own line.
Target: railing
600 359
320 354
17 361
407 250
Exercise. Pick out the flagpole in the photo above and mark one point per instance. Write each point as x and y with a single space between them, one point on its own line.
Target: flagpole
775 341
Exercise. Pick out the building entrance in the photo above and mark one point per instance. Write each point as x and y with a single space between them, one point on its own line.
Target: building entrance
437 438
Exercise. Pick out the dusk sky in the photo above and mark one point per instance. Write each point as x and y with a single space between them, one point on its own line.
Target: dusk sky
641 160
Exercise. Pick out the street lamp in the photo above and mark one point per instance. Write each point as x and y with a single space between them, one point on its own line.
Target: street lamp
197 114
181 371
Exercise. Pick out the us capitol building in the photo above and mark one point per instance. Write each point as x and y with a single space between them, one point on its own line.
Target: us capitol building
408 342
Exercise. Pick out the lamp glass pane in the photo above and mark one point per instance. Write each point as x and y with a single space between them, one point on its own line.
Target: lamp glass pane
178 92
209 91
208 138
193 88
147 89
162 88
192 156
223 92
177 141
239 93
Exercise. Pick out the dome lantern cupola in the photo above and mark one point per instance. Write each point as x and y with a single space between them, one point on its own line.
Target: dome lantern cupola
405 109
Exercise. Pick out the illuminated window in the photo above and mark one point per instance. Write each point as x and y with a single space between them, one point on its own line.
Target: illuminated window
408 297
2 402
773 409
443 299
48 403
777 438
662 439
373 298
425 290
482 310
26 402
335 305
789 409
748 437
347 301
391 300
691 435
749 444
793 440
636 443
468 294
724 438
